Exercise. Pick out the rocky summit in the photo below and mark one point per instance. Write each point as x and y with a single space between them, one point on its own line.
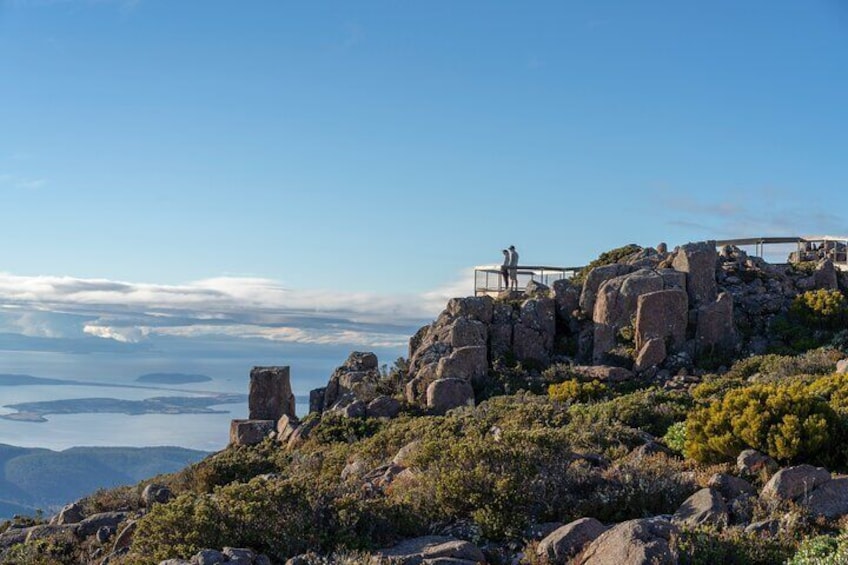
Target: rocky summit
664 406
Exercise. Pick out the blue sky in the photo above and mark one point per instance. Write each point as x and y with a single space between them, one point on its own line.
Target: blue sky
338 166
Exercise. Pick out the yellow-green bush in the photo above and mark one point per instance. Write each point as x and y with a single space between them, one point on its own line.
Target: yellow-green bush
790 421
576 391
826 309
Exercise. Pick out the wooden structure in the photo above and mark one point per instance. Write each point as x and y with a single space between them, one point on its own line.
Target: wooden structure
488 279
803 248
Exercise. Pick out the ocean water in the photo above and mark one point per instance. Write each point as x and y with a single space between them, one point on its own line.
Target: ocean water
209 432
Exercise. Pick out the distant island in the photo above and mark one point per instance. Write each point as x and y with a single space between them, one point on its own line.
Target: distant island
172 378
36 411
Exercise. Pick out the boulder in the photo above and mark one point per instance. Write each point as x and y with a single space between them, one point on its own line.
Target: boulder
403 455
316 399
829 500
752 462
698 261
445 394
383 407
704 508
239 555
716 331
663 314
208 557
70 514
417 550
353 409
842 366
731 487
534 332
286 426
651 354
824 277
43 531
475 307
566 297
616 305
594 280
500 330
250 432
90 525
793 482
175 562
155 494
125 536
467 363
465 332
567 541
270 394
302 432
536 289
634 542
13 536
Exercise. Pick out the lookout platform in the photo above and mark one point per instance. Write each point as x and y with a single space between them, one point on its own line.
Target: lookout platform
798 248
488 279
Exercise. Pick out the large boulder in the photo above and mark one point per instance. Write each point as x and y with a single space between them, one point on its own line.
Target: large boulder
270 394
752 462
465 332
533 334
90 525
829 500
567 541
664 315
70 514
825 276
604 373
704 508
716 331
357 377
250 432
698 261
468 363
475 307
616 304
731 487
594 280
793 482
445 394
155 494
566 297
500 330
651 354
842 367
634 542
420 550
383 407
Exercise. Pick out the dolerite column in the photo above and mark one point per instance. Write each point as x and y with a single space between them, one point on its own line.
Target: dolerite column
270 394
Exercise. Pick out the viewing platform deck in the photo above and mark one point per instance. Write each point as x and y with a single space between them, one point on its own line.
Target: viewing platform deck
488 279
797 249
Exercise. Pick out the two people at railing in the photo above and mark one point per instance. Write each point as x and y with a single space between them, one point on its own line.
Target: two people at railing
509 268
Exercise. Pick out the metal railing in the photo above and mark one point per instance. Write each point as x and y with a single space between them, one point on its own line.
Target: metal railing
803 248
488 279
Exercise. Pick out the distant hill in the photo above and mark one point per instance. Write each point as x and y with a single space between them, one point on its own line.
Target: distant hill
40 478
172 378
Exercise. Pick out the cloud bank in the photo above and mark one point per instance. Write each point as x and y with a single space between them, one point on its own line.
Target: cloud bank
61 307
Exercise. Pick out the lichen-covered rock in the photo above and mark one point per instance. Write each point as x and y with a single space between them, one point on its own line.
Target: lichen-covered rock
634 542
250 432
286 426
533 334
793 482
824 277
704 508
604 373
475 307
842 366
731 487
90 525
567 541
664 315
752 462
716 330
651 354
383 407
155 494
270 393
70 514
467 363
595 279
829 499
208 557
445 394
698 261
566 297
616 305
415 551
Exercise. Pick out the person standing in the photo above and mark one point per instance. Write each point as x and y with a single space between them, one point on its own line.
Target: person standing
505 268
513 267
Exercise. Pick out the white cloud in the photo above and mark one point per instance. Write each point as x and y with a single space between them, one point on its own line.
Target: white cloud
234 307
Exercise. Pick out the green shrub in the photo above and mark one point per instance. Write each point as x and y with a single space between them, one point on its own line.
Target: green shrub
576 391
708 547
334 427
675 437
652 410
784 420
821 550
825 309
